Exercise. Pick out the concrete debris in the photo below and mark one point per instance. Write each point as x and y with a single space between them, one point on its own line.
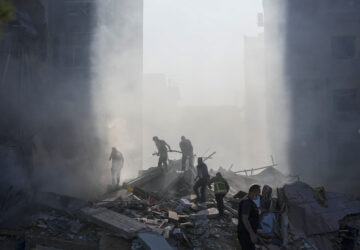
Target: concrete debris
173 216
185 202
210 213
118 223
147 215
154 241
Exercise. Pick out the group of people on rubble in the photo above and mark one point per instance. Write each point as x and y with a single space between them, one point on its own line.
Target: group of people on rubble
248 210
163 148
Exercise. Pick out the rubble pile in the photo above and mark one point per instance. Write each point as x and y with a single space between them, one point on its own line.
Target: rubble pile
157 210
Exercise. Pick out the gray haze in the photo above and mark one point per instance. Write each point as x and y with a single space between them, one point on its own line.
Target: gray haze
195 81
79 77
199 44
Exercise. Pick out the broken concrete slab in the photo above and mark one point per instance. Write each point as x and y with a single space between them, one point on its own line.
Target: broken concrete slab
110 197
120 224
305 211
210 213
154 241
166 182
148 176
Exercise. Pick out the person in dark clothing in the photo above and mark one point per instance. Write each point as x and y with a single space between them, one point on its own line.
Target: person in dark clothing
163 149
117 164
187 152
347 236
221 187
248 219
202 180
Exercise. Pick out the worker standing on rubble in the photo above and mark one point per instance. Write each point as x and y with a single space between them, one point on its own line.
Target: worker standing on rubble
248 219
187 152
202 180
221 187
117 164
162 148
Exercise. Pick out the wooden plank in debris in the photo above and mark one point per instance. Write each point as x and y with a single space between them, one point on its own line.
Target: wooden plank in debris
209 156
253 169
120 224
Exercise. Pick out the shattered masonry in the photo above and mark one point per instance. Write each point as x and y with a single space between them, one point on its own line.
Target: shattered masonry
300 217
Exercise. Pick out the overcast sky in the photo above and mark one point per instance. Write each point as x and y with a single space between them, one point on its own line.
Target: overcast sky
198 44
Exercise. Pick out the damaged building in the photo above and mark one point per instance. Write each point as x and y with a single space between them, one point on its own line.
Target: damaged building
312 62
71 88
47 67
157 210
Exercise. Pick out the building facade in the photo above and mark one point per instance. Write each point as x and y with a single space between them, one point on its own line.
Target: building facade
47 80
315 46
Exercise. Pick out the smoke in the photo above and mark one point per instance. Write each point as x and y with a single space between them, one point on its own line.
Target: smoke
202 84
116 83
70 90
277 98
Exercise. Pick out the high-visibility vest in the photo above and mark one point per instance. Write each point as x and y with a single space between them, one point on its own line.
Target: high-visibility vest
220 187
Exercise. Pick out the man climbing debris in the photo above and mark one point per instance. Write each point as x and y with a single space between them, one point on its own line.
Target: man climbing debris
201 180
117 164
163 149
221 188
187 152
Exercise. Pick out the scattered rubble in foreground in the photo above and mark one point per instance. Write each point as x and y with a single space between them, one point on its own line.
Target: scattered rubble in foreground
157 211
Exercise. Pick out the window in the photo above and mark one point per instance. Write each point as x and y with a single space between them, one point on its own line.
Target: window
343 47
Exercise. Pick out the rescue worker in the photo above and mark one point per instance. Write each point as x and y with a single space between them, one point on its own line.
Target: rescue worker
248 219
201 180
221 187
347 236
117 164
162 148
187 152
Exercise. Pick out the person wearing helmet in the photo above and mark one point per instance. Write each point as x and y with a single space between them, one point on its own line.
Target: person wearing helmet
163 149
187 152
221 187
